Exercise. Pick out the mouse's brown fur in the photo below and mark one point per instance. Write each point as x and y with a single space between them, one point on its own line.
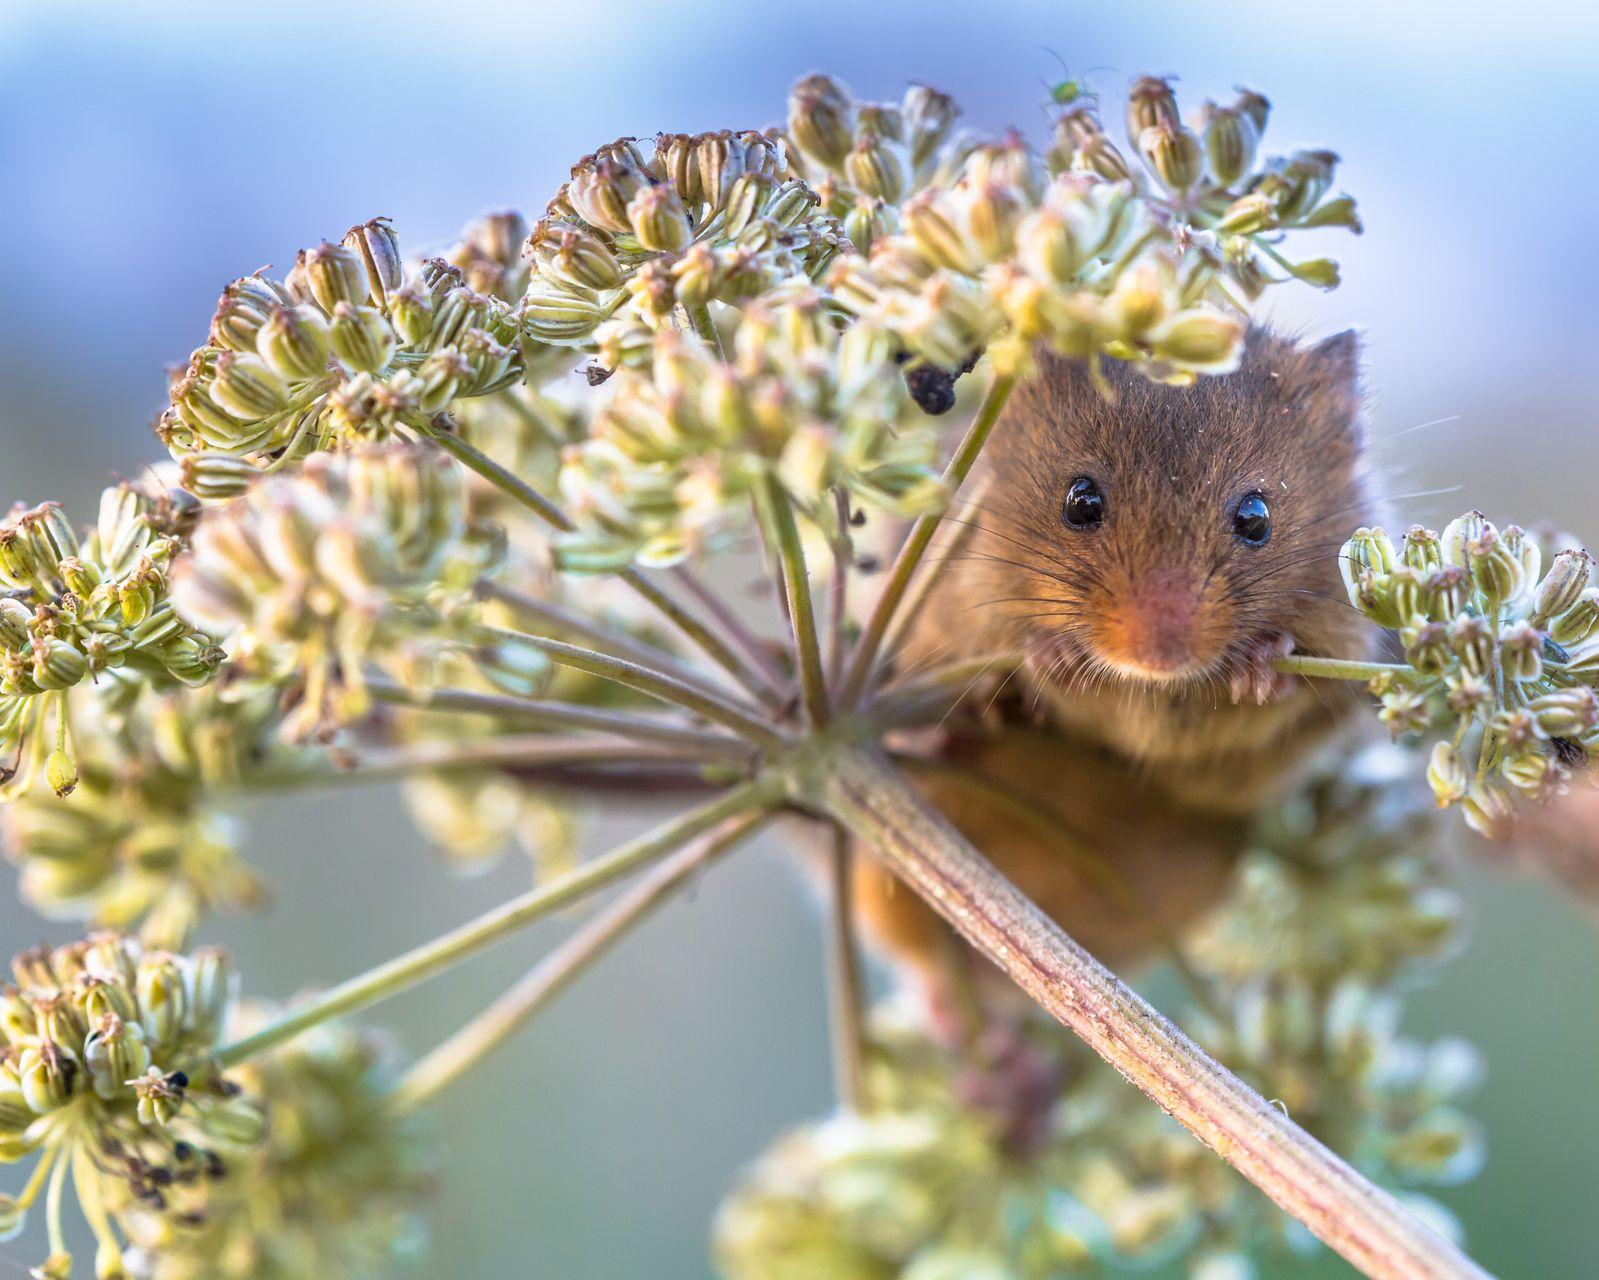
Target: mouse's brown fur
1149 753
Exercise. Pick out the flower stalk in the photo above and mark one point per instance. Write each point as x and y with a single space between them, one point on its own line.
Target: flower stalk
920 537
518 1006
432 958
777 517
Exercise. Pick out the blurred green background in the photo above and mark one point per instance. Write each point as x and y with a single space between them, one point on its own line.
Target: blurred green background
152 152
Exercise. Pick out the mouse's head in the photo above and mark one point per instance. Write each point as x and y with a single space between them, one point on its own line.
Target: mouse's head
1161 535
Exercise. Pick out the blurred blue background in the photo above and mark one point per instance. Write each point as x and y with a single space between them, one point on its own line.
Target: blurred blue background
154 151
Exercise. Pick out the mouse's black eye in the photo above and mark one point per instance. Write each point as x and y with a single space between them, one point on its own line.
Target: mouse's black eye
1252 520
1084 507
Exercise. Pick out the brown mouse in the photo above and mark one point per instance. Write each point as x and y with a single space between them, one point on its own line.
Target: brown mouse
1146 553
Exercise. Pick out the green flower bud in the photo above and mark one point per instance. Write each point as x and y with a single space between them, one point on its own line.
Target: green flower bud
1447 775
1473 644
821 119
1521 652
578 257
294 342
159 1097
1202 337
1230 139
874 169
361 337
1562 587
1496 569
246 387
1445 592
1254 106
378 249
659 220
1247 215
411 313
1427 647
216 477
1100 156
1533 771
61 773
1422 550
57 664
605 183
552 314
1151 104
991 219
114 1053
929 117
243 309
163 1001
1338 212
47 1072
1566 713
1403 710
1488 810
1458 532
15 620
1173 155
1577 622
333 274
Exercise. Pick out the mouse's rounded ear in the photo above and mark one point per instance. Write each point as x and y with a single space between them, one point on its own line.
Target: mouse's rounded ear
1339 357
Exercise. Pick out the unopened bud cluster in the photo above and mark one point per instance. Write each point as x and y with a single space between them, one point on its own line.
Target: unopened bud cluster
347 346
76 611
1023 1156
140 841
1501 645
710 217
335 1188
1093 255
312 575
672 456
105 1070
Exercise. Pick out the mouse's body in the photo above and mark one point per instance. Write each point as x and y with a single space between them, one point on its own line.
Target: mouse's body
1146 555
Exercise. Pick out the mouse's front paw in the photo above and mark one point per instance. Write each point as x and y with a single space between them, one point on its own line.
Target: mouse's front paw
1256 678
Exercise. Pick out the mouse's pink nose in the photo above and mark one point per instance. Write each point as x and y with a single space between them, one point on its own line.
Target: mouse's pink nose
1156 628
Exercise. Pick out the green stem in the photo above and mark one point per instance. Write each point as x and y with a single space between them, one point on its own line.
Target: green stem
747 723
406 971
777 514
512 752
910 555
700 320
584 627
514 486
447 1063
537 713
1366 1225
1337 668
846 998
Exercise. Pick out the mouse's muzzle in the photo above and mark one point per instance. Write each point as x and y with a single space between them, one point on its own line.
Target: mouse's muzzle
1160 624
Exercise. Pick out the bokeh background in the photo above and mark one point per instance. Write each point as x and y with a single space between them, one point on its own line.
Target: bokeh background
151 152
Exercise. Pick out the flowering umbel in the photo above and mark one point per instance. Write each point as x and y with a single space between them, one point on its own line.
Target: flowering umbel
106 1077
313 575
85 613
335 1188
1501 656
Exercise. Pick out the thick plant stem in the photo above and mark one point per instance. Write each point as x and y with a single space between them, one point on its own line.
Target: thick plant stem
846 1000
508 482
446 1064
537 713
857 787
747 723
1335 668
431 958
777 514
921 535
